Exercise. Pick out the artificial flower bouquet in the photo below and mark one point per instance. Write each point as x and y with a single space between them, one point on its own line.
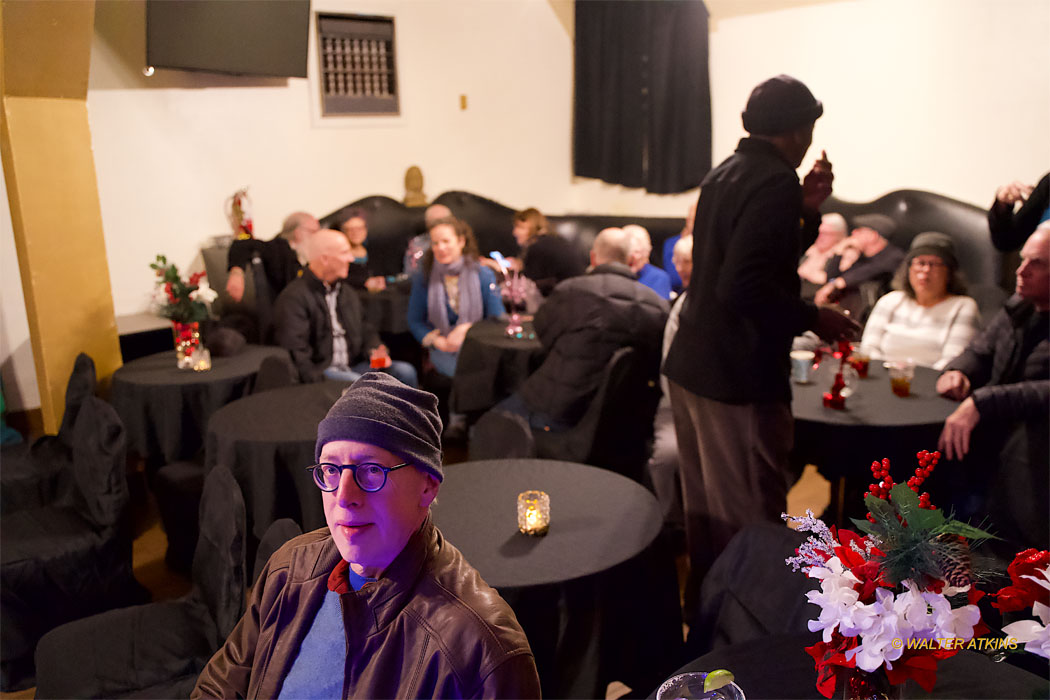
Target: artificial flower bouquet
184 301
900 597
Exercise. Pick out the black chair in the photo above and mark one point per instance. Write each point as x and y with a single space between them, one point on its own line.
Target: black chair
615 430
501 435
158 650
739 600
70 558
30 476
275 373
279 532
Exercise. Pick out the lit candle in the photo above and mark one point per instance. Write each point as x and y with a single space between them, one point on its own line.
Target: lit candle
534 509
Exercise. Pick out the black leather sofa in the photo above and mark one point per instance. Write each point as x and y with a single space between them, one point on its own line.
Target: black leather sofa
391 225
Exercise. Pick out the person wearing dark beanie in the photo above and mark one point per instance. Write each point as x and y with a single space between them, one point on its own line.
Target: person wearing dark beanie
728 365
380 574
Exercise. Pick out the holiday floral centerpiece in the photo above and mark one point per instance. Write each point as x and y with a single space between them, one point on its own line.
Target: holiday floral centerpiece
896 600
901 597
185 302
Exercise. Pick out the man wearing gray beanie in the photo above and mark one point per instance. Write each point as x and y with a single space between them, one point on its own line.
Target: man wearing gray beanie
378 604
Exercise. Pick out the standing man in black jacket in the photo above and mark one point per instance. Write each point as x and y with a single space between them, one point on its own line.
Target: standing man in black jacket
320 322
728 366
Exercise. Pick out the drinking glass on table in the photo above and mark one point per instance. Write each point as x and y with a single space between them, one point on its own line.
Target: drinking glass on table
901 374
690 686
860 358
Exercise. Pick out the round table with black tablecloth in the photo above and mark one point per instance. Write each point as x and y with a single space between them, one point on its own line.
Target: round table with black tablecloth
165 410
598 595
492 364
267 440
876 423
779 667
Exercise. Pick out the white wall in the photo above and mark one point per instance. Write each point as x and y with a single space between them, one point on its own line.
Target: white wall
945 95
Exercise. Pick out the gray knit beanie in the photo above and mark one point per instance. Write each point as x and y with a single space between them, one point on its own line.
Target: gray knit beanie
934 243
381 411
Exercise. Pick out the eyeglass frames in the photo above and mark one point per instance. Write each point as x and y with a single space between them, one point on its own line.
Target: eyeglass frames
369 476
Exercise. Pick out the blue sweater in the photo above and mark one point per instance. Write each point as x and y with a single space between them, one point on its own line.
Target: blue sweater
418 322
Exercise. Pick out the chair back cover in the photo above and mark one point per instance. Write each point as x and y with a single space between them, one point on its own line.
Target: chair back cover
82 384
218 562
615 430
501 435
99 471
750 592
279 532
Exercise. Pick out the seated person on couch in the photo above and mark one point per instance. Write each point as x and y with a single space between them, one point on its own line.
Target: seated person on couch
355 228
583 322
866 256
1002 381
320 322
641 247
928 318
812 268
450 293
282 256
378 604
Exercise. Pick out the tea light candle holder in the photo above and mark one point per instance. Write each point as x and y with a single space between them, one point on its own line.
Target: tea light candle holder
534 513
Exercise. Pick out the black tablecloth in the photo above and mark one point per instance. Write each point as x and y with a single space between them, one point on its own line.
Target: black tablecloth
492 365
876 423
597 596
267 440
387 310
165 410
779 667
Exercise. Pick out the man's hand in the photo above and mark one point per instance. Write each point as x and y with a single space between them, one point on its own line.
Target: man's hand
825 294
954 385
1014 192
816 186
375 284
235 283
834 325
955 438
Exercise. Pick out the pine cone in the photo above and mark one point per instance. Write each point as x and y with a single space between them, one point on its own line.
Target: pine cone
953 556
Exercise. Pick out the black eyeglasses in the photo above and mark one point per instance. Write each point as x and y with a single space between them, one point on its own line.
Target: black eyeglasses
928 264
369 476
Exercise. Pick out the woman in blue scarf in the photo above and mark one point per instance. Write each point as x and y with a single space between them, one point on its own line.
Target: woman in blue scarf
452 292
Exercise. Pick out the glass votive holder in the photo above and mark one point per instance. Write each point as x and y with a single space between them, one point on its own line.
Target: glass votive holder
534 512
202 359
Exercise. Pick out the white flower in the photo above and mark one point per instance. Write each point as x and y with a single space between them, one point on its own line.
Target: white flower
204 293
836 596
1035 636
877 643
952 623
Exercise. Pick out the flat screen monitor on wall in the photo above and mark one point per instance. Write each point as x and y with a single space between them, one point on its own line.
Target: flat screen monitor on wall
243 37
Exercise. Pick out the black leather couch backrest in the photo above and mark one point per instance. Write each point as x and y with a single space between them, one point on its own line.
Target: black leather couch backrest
583 228
988 274
391 225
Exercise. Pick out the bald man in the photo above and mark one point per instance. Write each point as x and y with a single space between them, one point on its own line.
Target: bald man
320 322
583 322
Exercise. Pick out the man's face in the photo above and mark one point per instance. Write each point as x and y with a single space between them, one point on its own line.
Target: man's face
337 259
683 265
828 235
306 228
356 230
371 529
1033 276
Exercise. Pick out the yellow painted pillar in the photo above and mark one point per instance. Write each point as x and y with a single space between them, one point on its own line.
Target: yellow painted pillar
51 187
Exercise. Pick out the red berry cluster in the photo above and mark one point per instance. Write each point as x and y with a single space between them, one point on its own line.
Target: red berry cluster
927 461
195 278
884 482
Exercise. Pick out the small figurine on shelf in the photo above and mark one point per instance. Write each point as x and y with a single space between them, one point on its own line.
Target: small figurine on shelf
239 214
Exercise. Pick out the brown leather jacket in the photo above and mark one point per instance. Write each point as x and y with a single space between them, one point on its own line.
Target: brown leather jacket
430 627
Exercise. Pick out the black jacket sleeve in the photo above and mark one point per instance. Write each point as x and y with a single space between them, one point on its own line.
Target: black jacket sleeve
1009 230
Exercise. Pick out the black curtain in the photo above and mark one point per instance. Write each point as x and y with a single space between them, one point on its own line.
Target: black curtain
642 113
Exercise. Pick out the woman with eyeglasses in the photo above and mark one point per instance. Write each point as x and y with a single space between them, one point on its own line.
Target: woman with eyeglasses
928 318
